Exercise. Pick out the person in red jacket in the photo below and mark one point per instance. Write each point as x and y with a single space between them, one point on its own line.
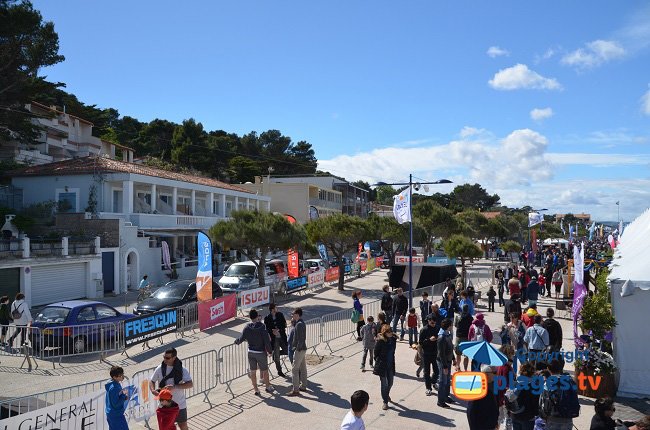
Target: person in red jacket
167 410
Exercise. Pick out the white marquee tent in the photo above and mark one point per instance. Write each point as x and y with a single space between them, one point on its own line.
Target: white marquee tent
630 284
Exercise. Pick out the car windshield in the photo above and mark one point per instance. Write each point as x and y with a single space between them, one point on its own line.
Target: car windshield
241 270
52 315
170 292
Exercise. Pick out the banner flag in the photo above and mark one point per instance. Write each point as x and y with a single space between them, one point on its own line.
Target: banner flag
402 207
217 311
562 226
535 218
292 256
570 233
204 269
322 251
592 229
165 256
579 289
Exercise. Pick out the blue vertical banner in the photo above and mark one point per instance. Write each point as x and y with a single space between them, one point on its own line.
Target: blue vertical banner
322 250
204 269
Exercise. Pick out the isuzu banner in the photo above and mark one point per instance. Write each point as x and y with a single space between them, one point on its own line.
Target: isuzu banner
316 278
146 327
254 298
216 311
204 269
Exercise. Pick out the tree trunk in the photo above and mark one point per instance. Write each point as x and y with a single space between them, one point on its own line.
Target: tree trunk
341 275
462 270
261 272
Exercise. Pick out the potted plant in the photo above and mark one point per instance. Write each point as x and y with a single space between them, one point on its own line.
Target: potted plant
597 322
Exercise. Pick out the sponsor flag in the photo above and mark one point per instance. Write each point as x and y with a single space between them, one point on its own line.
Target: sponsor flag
592 229
322 251
204 269
579 289
535 218
293 268
562 226
165 256
402 207
570 233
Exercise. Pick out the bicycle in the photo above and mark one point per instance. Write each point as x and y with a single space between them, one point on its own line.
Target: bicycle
144 293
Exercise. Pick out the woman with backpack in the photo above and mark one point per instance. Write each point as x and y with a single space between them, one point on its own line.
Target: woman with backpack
22 318
357 312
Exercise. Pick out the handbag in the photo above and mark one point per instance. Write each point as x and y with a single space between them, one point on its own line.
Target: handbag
355 316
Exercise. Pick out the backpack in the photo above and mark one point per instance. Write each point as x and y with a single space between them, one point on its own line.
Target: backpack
355 316
478 333
386 303
504 335
16 314
559 403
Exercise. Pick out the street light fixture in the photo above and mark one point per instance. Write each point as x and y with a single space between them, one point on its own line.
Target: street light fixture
417 186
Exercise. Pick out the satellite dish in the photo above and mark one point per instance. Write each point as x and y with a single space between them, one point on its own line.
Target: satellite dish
416 186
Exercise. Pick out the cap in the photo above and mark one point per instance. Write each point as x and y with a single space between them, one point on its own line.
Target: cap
165 394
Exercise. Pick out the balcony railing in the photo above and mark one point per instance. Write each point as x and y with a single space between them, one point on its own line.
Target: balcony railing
41 247
326 204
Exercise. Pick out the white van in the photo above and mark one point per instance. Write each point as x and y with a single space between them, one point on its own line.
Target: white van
243 276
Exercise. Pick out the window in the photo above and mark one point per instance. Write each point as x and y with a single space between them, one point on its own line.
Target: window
67 202
86 314
104 312
216 205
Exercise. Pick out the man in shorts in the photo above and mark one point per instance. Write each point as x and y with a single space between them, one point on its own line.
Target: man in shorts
259 349
172 375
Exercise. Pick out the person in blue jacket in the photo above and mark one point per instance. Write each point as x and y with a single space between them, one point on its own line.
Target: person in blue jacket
116 398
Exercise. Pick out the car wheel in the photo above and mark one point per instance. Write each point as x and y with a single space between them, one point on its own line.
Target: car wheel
79 345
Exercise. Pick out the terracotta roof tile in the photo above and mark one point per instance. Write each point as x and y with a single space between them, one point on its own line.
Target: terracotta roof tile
87 165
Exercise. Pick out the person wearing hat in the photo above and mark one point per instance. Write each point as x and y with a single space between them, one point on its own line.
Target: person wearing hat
429 342
528 317
167 410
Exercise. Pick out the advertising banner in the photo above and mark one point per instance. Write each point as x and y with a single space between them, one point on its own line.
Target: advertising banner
296 283
363 264
332 274
254 298
322 251
146 327
204 269
165 256
217 311
315 279
404 259
293 269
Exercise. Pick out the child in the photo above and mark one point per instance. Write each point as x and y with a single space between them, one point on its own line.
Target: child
167 411
412 326
491 294
116 398
359 404
368 334
425 306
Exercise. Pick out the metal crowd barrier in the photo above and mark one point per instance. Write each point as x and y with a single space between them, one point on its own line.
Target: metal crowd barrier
188 318
232 363
24 344
314 334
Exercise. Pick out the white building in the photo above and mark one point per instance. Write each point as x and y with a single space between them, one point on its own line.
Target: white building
63 136
152 206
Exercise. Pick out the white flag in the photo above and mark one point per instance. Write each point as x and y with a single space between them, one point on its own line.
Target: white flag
535 218
402 207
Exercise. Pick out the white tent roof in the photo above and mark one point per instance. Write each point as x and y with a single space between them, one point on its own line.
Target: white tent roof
552 241
629 272
630 264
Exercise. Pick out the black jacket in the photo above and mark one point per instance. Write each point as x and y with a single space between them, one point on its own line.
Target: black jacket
464 323
445 351
530 402
281 324
554 333
429 348
387 303
483 414
602 423
384 355
400 305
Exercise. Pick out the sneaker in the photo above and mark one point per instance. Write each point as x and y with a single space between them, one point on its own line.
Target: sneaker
385 406
293 393
257 393
363 368
443 405
269 389
429 393
401 338
359 338
450 400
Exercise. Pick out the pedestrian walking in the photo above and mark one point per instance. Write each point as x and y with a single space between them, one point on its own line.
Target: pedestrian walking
167 410
385 362
503 372
412 324
357 311
501 290
5 318
558 406
425 307
557 282
532 291
171 374
259 348
523 404
400 309
464 300
541 281
299 369
368 335
445 361
483 414
536 337
429 344
462 323
358 405
276 326
387 303
22 319
554 330
144 282
115 400
491 294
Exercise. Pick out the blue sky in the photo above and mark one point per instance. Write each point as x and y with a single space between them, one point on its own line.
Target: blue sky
545 103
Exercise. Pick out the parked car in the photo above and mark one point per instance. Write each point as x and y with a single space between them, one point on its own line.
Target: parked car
347 265
75 326
173 294
243 276
316 264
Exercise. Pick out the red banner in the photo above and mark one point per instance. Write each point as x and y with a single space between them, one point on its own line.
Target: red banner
379 261
293 268
534 240
216 311
363 264
332 274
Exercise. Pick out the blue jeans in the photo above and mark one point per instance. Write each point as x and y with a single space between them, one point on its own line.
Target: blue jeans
413 334
397 318
386 384
444 384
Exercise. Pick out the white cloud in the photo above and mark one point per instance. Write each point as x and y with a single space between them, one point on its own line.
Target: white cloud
519 77
541 114
598 160
645 103
594 54
468 131
495 51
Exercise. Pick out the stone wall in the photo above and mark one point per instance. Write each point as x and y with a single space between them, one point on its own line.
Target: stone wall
76 224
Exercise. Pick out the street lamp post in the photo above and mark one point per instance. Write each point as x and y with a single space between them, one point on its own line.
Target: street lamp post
410 185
